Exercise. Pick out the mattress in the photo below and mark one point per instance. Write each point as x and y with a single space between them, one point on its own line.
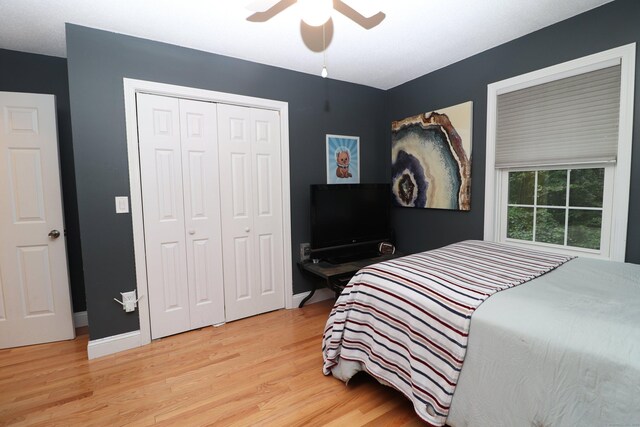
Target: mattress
406 321
560 350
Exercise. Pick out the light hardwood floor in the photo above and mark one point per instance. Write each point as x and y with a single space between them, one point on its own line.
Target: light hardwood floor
265 370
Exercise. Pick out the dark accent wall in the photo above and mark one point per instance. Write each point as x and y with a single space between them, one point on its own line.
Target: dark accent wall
97 63
612 25
99 60
31 73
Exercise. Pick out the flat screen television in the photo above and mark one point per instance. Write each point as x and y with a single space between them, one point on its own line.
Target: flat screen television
349 220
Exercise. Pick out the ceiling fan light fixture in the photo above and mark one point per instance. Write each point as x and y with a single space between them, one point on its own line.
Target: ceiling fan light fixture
315 12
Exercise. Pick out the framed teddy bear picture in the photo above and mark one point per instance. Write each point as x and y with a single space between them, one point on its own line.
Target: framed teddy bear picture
343 159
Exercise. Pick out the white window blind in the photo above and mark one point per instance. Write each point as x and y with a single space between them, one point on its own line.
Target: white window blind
568 121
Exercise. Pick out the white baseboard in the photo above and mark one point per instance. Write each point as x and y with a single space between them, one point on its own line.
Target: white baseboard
80 319
320 295
113 344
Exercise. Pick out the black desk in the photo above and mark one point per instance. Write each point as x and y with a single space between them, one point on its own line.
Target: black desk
336 276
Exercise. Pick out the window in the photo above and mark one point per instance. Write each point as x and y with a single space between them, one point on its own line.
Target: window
560 207
558 156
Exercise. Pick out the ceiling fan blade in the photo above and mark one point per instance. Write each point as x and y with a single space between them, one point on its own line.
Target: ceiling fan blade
358 18
261 5
366 8
269 13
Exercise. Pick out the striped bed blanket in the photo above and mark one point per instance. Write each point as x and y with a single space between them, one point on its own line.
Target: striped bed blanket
406 321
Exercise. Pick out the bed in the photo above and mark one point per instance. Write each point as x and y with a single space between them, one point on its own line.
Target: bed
551 341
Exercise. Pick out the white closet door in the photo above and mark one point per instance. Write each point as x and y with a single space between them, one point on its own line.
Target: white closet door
35 305
163 214
251 198
181 211
267 202
202 212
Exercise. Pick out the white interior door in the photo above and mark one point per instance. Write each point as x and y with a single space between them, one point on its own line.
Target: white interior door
251 199
163 213
35 305
202 212
178 167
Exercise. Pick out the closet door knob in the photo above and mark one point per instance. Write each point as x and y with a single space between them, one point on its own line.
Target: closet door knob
192 232
247 229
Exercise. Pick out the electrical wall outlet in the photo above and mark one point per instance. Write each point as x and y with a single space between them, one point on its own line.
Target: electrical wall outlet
305 251
129 301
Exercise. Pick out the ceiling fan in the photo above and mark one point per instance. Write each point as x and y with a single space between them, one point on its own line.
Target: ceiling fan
317 12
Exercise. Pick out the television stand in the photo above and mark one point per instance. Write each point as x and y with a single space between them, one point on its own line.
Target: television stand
353 257
336 276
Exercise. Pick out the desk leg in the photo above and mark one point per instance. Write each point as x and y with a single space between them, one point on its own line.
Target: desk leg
313 290
308 297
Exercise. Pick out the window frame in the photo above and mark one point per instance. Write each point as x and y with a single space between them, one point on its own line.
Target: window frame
607 206
616 199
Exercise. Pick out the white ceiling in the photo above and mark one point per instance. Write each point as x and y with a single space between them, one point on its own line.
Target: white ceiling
417 36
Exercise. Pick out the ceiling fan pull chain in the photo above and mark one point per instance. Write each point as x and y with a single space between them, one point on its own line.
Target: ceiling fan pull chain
324 73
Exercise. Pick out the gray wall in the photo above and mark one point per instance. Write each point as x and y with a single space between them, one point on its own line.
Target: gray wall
31 73
612 25
97 63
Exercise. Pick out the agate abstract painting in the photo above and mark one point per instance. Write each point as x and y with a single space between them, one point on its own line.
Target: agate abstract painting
431 159
343 159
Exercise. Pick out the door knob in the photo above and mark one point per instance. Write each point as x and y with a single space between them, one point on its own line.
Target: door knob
54 234
192 232
247 229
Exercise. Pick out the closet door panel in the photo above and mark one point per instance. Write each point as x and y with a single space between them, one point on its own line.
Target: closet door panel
267 198
251 197
202 212
162 197
234 148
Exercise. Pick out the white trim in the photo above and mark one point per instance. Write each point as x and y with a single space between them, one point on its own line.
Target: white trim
625 55
131 87
114 344
576 67
320 295
286 206
491 183
80 319
135 188
622 179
